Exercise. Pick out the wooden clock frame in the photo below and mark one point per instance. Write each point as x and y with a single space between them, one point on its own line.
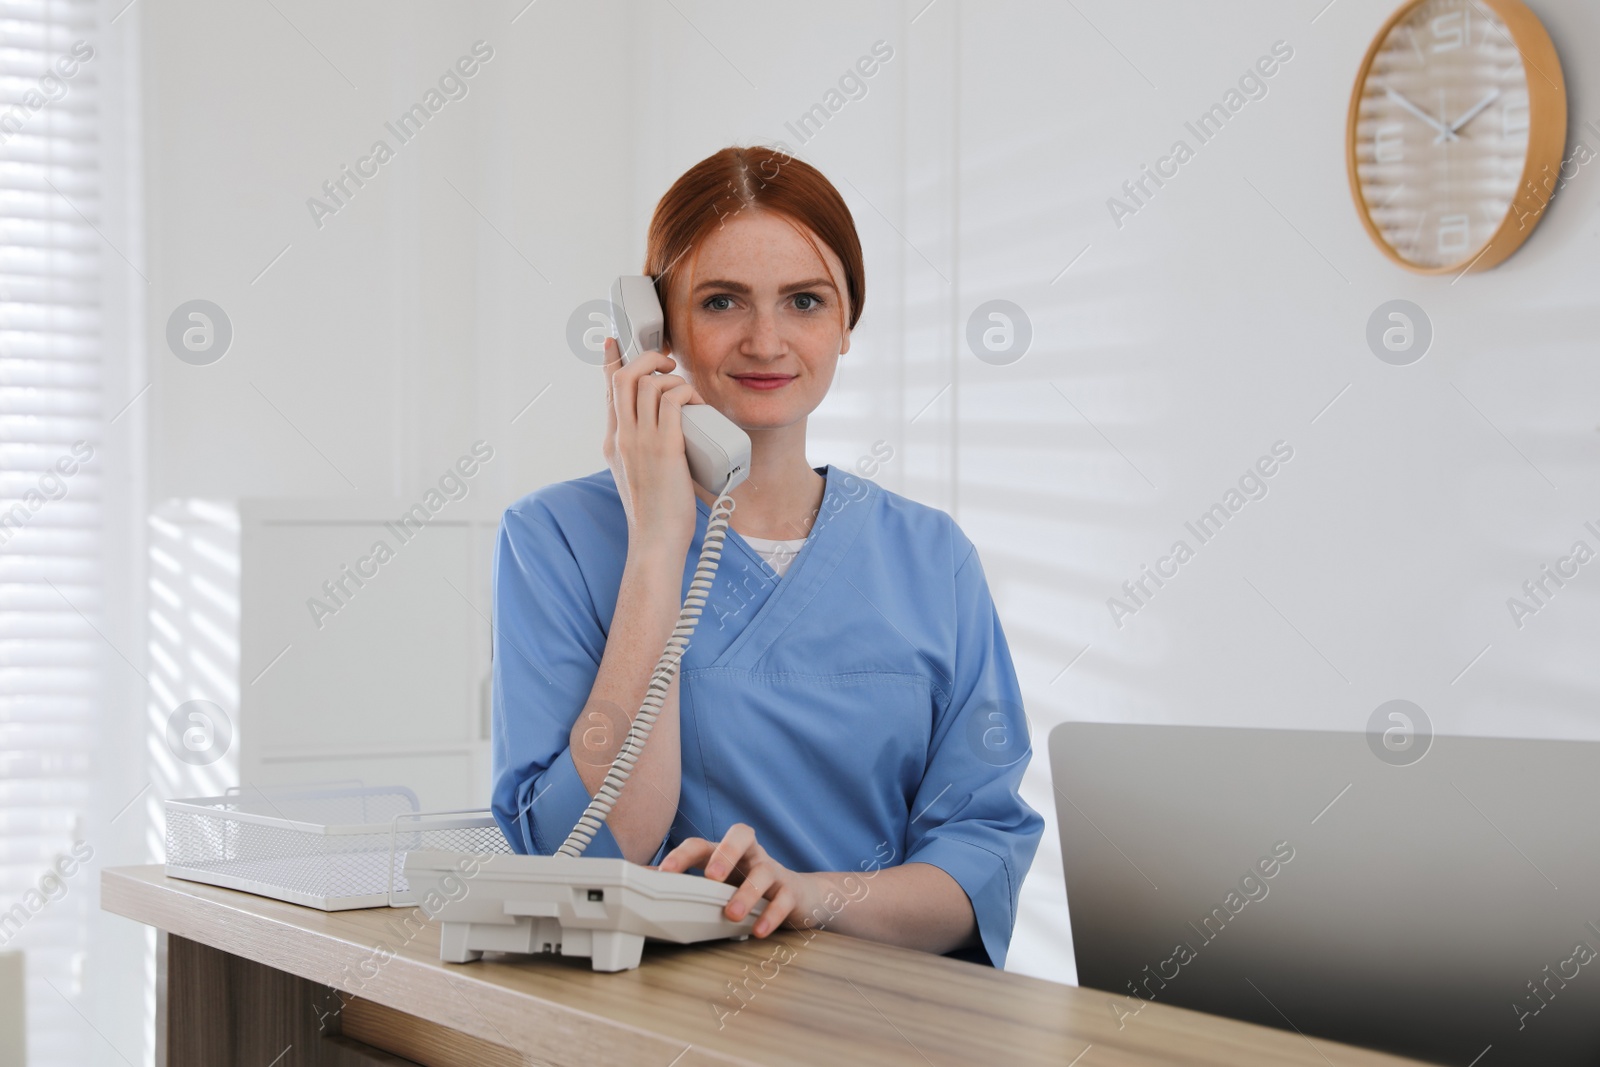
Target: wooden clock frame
1547 137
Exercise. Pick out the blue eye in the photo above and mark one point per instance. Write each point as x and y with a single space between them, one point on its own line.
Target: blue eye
711 300
815 301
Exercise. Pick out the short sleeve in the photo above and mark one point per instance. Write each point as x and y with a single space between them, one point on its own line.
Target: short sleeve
968 817
548 642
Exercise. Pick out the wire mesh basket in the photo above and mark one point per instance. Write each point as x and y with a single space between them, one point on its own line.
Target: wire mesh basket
332 849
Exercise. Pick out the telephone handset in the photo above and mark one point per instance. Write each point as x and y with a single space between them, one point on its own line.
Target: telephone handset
718 451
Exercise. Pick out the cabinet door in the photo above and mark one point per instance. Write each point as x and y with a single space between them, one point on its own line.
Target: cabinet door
365 646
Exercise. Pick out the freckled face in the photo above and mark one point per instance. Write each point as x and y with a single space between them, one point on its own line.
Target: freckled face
761 333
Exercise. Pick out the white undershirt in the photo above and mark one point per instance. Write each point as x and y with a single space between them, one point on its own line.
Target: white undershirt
778 554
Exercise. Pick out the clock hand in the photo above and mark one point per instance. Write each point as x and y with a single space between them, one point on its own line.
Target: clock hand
1445 132
1470 115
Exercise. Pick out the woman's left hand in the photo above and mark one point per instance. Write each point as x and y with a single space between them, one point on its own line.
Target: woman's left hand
739 860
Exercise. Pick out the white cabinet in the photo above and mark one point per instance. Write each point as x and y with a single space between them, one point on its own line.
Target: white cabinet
365 645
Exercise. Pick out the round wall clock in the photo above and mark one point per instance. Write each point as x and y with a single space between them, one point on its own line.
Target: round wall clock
1457 126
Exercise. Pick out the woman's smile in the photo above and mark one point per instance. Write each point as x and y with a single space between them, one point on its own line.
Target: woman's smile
764 382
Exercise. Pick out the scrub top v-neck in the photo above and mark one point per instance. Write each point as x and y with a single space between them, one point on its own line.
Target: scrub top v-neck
860 712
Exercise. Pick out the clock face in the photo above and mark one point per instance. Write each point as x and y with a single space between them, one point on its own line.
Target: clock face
1441 132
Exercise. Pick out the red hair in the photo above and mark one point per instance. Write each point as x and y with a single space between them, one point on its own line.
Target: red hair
757 178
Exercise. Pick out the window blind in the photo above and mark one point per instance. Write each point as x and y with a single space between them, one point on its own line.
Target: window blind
51 255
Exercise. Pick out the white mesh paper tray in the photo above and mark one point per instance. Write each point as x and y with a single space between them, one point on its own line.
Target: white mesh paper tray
331 849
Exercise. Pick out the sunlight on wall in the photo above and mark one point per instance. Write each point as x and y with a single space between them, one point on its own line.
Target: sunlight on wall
193 627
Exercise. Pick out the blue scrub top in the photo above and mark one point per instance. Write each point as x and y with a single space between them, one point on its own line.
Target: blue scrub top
860 712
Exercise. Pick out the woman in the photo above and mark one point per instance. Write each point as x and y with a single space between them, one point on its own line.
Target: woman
845 737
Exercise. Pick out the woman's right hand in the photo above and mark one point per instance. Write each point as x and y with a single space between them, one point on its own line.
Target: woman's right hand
644 448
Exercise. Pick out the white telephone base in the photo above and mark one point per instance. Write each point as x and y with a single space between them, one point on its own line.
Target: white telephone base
570 905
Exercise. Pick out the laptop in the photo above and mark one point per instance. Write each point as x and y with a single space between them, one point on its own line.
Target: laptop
1441 903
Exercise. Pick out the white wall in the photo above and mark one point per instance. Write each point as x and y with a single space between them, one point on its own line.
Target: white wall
1220 319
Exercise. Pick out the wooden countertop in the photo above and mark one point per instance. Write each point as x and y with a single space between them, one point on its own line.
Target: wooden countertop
814 997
